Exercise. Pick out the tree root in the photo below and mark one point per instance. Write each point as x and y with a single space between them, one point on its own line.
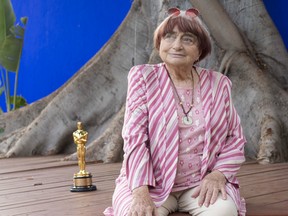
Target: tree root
271 149
108 147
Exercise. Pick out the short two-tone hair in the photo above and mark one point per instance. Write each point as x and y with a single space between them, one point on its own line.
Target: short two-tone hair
185 24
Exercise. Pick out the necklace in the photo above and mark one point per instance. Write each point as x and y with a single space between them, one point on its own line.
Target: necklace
187 120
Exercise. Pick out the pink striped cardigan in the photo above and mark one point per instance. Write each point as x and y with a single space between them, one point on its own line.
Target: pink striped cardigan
151 136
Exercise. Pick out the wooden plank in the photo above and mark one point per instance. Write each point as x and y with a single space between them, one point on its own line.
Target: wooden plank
265 188
260 210
254 168
41 186
44 188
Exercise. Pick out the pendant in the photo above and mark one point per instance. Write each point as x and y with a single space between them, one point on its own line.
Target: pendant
187 120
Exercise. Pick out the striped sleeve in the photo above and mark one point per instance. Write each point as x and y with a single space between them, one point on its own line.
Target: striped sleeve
232 154
139 170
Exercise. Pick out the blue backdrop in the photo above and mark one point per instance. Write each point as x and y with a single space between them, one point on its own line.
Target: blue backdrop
62 35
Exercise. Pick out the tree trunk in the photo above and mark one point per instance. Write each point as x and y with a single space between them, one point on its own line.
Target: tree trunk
246 47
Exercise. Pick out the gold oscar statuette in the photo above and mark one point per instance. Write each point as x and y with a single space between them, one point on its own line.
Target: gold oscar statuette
82 181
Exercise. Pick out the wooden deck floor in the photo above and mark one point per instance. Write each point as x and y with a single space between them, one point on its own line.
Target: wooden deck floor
41 186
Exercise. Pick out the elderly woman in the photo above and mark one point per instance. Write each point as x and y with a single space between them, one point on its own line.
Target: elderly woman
183 141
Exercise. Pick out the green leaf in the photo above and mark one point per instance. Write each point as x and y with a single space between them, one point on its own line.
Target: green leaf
17 31
1 90
24 20
10 53
7 19
20 101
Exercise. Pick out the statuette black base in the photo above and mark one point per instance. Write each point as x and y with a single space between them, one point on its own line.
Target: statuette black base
83 183
83 189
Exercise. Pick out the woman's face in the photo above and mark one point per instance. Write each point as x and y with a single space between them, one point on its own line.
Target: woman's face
179 48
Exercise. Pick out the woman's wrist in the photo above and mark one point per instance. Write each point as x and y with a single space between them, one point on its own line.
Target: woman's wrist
140 190
219 175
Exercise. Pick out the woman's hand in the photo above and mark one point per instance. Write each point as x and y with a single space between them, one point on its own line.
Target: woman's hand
142 204
210 187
